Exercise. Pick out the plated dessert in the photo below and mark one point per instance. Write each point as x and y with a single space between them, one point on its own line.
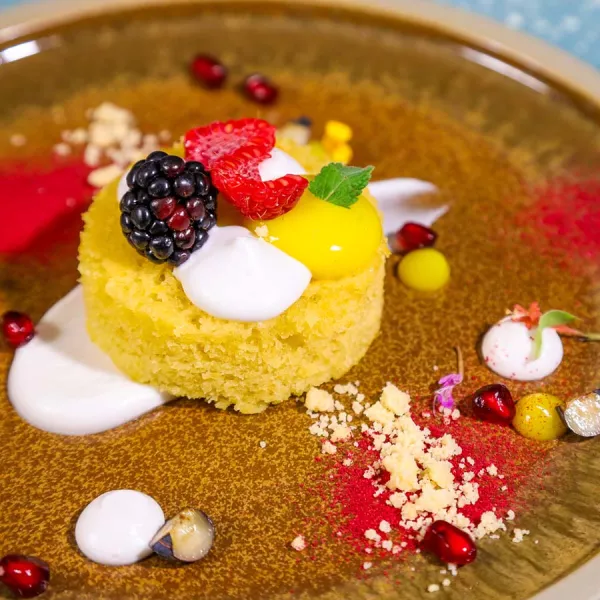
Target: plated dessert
280 371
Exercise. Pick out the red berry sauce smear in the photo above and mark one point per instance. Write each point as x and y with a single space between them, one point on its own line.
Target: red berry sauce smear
42 202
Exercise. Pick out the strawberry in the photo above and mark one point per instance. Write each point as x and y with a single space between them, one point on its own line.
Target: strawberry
238 179
218 140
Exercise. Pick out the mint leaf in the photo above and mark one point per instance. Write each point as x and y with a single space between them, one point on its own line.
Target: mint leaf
552 318
340 185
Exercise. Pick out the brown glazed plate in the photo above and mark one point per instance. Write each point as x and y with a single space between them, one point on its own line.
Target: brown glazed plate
487 115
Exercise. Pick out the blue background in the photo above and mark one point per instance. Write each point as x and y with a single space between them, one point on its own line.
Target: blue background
573 25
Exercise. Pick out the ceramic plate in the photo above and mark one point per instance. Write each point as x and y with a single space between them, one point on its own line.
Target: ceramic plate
494 131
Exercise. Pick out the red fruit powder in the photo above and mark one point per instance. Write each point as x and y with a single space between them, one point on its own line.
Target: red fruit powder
41 203
351 507
564 222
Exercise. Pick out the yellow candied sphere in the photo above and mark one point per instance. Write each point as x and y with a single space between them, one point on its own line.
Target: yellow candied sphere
332 241
536 417
338 131
426 270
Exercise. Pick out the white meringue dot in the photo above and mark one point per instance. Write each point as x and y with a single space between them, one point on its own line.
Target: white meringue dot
116 527
507 349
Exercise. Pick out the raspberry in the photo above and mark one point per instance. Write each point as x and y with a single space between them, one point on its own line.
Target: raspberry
238 178
169 208
218 140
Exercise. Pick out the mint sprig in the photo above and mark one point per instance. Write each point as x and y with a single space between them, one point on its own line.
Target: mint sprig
552 318
340 185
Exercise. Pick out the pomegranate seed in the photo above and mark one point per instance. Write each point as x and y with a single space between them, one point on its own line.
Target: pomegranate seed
449 543
17 328
25 576
163 208
180 220
494 404
260 89
209 71
412 236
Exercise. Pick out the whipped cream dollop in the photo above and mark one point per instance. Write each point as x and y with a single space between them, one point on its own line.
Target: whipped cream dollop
116 528
399 201
62 382
507 349
240 277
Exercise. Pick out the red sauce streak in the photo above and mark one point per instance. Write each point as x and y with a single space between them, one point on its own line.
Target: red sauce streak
41 204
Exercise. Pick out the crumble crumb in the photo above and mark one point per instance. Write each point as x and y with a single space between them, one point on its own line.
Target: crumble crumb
367 565
262 231
446 582
319 400
519 535
299 543
434 587
379 414
104 175
372 535
262 444
357 407
492 470
394 400
340 433
328 448
385 527
62 149
349 388
18 140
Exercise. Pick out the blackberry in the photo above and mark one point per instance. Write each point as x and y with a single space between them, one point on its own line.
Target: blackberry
169 208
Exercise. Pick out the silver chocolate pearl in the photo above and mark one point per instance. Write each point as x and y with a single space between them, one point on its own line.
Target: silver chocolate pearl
582 414
187 537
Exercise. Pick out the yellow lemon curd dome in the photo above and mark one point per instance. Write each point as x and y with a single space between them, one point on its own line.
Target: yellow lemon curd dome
139 315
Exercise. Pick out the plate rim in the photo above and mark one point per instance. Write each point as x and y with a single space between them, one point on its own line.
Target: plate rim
550 62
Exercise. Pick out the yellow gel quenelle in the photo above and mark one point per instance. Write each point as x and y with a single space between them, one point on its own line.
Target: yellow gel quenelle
332 241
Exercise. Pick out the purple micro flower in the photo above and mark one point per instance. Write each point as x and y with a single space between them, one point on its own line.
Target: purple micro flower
443 396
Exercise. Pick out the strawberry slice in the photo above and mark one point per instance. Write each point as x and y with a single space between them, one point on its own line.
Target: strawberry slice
238 179
213 142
